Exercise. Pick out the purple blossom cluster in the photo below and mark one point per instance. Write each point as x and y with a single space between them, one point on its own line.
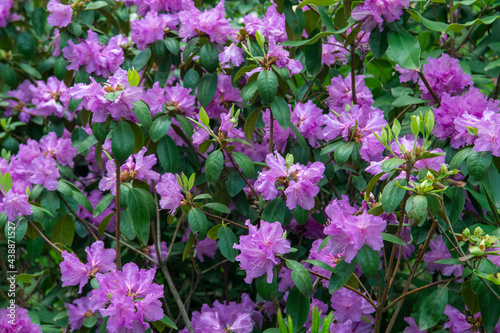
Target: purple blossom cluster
94 97
60 14
170 191
221 317
375 12
259 249
439 251
14 319
350 232
99 260
128 297
298 182
152 27
137 166
5 7
272 25
35 163
460 323
96 57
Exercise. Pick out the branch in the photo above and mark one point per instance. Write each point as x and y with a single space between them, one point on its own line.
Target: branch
118 210
225 220
43 236
231 158
436 98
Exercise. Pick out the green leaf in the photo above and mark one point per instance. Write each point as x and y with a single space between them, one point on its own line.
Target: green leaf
164 71
75 29
454 202
317 3
300 215
172 45
95 5
142 112
431 25
226 241
343 152
327 21
26 44
378 42
492 185
267 83
245 164
478 164
141 59
112 96
214 165
489 306
321 264
369 261
392 195
104 224
274 211
456 27
103 204
161 324
206 88
281 111
342 274
243 70
198 222
8 75
392 239
160 127
30 70
63 230
459 157
218 207
418 211
82 200
250 124
86 144
168 154
313 54
298 307
433 309
39 19
209 57
469 297
405 48
297 43
301 278
191 79
249 91
371 185
139 212
267 291
300 139
123 141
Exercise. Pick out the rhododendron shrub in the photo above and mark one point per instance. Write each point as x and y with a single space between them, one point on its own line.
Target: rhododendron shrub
249 166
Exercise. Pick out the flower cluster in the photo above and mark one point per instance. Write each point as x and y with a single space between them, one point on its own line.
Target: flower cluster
272 25
350 232
151 28
99 260
14 319
259 249
374 12
299 182
439 251
170 191
60 14
96 57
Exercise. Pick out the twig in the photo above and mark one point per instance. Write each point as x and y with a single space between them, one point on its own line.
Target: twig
43 236
226 220
76 216
422 76
118 210
175 235
231 158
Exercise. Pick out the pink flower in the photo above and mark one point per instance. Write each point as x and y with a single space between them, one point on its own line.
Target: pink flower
151 28
15 204
259 249
170 191
60 15
231 55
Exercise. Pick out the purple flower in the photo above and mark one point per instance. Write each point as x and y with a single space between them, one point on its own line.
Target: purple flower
350 232
407 75
265 183
99 59
238 317
308 119
78 311
444 75
488 133
374 12
151 28
413 328
358 124
440 251
458 321
312 229
51 98
225 95
350 306
23 96
100 260
170 191
61 149
45 172
341 94
5 7
333 51
325 256
14 319
135 298
282 58
15 204
231 55
152 252
211 23
206 248
259 249
272 26
60 15
280 135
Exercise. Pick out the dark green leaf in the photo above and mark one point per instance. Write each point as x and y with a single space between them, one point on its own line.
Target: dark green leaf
392 239
274 211
209 57
343 152
281 112
469 297
392 164
96 5
433 309
297 307
378 42
63 230
103 204
392 195
214 165
139 212
168 154
39 19
191 79
123 141
160 127
142 112
369 261
206 88
218 207
405 48
245 164
198 222
489 306
342 274
104 224
313 53
301 278
267 290
478 164
454 202
267 83
26 44
30 70
250 123
141 59
226 241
